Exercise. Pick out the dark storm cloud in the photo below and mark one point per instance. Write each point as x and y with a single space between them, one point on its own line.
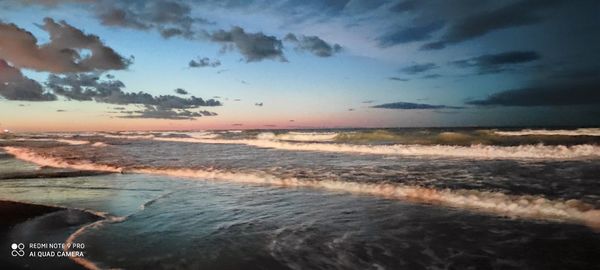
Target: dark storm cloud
62 54
546 94
494 63
314 45
203 62
519 13
112 16
83 86
412 106
414 20
169 18
410 34
90 87
561 86
181 91
153 112
15 86
253 46
418 68
175 18
578 73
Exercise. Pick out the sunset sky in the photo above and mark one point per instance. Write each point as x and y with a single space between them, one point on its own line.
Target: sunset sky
133 65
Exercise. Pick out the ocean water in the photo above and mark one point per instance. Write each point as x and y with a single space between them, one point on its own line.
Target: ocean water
321 199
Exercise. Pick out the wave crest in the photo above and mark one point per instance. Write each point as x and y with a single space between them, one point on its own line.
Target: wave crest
473 151
298 136
33 157
546 132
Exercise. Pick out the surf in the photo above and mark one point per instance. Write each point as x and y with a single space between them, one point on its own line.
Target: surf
478 151
490 202
550 132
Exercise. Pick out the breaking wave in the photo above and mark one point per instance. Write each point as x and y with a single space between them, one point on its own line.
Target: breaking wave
546 132
31 156
66 141
497 203
130 137
202 135
99 144
299 136
473 151
72 142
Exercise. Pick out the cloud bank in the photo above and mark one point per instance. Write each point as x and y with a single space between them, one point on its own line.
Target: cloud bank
495 63
15 86
64 52
575 93
253 46
412 106
314 45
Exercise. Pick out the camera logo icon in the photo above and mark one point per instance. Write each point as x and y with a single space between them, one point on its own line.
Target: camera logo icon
17 250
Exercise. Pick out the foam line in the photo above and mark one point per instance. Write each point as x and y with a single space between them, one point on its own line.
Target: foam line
66 141
71 239
33 157
556 132
474 151
299 136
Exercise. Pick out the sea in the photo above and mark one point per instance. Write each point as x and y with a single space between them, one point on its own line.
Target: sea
410 198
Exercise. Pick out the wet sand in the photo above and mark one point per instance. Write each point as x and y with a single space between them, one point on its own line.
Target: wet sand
13 213
50 173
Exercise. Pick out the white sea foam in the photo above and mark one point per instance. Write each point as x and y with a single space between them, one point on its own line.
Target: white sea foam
129 137
524 206
99 144
546 132
298 136
72 142
71 239
31 156
473 151
202 135
67 141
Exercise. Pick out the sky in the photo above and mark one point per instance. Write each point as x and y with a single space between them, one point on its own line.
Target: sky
87 65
